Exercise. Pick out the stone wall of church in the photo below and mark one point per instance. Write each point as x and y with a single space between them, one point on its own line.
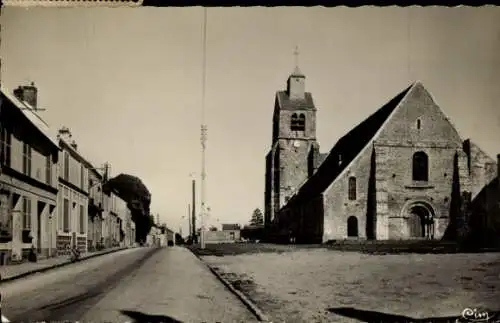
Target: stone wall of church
417 125
293 167
338 208
403 192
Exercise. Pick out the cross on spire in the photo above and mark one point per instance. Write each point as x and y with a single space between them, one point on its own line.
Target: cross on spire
296 54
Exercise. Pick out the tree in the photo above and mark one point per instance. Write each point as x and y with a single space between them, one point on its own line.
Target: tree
257 218
133 191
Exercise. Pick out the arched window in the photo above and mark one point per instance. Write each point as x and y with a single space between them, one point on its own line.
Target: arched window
293 122
420 166
352 226
298 122
301 123
352 188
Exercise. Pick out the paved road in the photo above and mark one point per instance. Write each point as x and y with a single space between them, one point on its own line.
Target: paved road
134 285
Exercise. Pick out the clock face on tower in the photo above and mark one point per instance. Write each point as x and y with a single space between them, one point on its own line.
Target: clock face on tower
296 143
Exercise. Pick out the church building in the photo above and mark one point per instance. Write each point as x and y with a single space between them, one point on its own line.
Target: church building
402 173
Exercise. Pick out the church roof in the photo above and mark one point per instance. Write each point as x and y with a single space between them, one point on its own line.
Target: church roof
284 102
347 147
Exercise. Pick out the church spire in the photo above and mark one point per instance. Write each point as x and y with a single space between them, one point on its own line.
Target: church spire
296 80
296 71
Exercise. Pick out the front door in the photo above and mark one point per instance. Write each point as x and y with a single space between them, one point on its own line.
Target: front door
39 212
421 223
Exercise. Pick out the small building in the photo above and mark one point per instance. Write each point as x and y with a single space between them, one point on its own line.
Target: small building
230 233
153 238
28 177
170 237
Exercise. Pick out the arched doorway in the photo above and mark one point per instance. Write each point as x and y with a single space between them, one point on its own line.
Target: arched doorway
421 221
352 226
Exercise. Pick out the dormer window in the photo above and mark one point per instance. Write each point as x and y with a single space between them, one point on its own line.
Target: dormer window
298 122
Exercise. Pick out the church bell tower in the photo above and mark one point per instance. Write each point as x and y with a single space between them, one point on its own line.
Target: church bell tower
293 141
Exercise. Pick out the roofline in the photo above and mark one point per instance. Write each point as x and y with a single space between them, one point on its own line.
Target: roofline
296 193
13 99
472 143
82 159
445 115
373 139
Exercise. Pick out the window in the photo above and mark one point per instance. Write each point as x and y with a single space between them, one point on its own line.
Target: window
419 124
66 212
420 166
48 170
5 146
26 159
82 220
352 188
26 213
298 122
66 166
82 177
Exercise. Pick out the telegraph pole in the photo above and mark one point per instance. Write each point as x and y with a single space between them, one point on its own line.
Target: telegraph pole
193 209
189 219
203 132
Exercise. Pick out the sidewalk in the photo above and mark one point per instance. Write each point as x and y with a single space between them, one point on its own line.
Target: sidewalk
11 272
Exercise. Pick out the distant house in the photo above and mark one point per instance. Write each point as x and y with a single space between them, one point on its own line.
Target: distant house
229 233
170 237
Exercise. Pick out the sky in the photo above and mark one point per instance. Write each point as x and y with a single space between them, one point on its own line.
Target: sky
128 83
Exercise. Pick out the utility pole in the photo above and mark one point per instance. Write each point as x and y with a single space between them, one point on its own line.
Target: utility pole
189 219
204 129
193 209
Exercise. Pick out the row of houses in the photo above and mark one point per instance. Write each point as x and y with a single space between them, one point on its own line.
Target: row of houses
51 196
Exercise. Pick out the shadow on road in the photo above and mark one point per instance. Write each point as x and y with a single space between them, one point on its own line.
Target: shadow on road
139 317
373 316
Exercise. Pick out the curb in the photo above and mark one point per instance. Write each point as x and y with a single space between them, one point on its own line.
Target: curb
248 303
41 270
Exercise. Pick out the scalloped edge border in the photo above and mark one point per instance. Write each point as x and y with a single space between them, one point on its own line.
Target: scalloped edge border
72 3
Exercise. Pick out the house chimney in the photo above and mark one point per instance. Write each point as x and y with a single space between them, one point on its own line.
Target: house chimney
28 94
64 133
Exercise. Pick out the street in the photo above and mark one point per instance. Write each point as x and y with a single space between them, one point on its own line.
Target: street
134 285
